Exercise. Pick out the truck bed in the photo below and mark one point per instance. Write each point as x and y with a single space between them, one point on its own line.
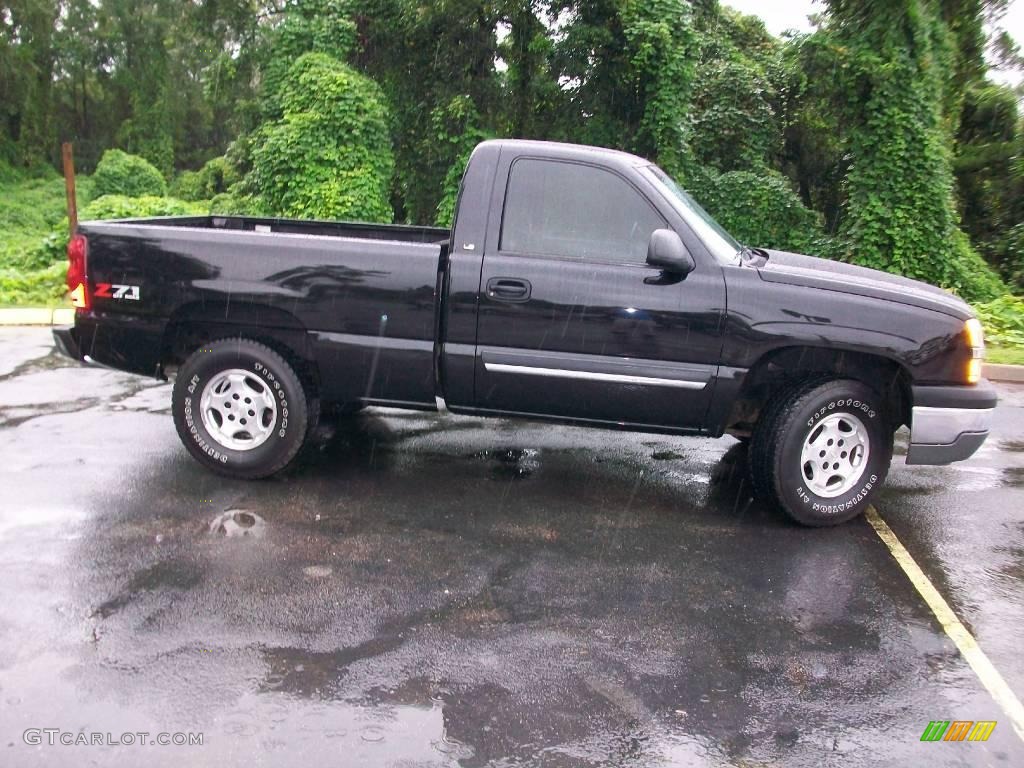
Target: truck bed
356 297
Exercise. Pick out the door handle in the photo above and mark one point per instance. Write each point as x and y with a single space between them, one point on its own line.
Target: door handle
510 289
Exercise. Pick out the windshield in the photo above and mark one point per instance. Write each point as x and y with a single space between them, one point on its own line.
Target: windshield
718 241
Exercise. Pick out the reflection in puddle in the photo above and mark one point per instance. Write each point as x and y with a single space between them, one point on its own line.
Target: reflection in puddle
16 516
347 733
511 463
1013 477
237 523
977 478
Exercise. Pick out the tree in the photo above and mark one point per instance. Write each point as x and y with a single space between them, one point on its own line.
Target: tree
28 56
899 214
329 155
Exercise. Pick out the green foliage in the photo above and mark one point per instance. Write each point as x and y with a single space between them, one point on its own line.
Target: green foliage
329 156
30 207
54 246
734 121
629 68
662 53
971 277
37 287
311 26
458 126
214 178
35 274
124 207
122 174
1003 320
899 212
1007 251
235 203
760 209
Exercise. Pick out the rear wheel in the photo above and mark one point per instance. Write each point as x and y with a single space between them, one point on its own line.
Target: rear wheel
821 450
240 409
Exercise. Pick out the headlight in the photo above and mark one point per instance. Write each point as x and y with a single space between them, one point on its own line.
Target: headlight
975 336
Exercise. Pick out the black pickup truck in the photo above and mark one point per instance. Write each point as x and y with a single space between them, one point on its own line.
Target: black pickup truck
577 284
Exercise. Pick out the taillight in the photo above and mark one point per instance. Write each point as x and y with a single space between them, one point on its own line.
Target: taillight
78 248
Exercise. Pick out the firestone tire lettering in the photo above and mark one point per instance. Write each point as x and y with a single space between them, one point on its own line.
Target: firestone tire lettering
777 442
277 376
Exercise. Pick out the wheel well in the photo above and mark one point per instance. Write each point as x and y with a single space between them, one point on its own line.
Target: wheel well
194 325
779 370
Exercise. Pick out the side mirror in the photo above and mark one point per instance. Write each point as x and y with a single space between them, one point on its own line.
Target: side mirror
666 251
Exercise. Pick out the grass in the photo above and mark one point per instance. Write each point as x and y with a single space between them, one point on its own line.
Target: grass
31 207
1005 355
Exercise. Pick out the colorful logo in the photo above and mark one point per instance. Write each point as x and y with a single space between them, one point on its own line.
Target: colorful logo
958 730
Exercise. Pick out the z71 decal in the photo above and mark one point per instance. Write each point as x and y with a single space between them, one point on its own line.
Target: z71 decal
109 291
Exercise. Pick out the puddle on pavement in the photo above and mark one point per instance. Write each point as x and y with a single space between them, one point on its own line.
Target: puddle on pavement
666 455
977 478
510 463
238 523
172 574
1013 477
377 734
318 571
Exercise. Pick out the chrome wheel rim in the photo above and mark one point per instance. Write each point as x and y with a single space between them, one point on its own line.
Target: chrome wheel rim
835 455
238 410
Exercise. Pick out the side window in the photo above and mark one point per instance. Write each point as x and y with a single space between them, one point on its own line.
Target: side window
575 211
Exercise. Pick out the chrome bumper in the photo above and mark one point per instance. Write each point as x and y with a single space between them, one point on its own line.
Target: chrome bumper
945 435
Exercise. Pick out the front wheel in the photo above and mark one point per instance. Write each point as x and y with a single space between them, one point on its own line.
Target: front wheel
240 409
822 450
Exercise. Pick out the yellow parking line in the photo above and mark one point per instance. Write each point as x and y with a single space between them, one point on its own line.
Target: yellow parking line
957 632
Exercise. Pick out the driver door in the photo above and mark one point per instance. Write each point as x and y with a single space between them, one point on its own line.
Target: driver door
573 322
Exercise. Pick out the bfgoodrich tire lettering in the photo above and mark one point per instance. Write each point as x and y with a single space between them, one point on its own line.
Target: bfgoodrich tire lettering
266 369
779 455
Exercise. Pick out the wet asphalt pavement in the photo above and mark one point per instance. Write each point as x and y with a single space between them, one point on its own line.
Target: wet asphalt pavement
436 590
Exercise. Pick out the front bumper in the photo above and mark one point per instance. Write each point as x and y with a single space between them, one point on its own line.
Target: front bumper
949 423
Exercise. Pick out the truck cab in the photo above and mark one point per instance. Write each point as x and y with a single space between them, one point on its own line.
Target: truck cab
555 304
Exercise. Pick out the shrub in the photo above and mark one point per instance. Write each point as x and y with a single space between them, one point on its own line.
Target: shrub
1003 319
54 245
119 173
39 286
1008 253
968 274
235 203
329 156
759 209
735 127
214 178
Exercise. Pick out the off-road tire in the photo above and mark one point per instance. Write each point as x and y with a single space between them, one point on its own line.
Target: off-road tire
776 469
290 424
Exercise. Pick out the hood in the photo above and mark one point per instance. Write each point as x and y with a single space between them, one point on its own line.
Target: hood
797 269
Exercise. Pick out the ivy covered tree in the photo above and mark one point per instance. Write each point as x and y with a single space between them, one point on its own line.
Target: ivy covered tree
628 68
900 213
329 155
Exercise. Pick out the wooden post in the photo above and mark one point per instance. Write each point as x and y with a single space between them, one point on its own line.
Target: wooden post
69 185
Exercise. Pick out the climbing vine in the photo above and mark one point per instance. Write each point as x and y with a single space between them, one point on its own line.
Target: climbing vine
329 156
899 213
